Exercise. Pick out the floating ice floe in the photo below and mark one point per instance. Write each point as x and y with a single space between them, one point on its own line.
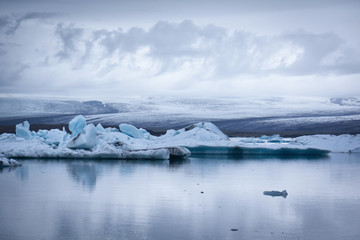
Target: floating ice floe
23 130
5 162
129 142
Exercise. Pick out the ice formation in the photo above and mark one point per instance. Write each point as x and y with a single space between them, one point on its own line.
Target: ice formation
23 130
77 125
100 128
53 136
88 141
85 140
131 130
4 162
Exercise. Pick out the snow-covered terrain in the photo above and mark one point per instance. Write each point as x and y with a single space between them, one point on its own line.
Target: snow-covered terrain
292 115
129 142
130 109
28 107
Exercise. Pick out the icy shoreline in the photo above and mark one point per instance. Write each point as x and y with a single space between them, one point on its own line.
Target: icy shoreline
129 142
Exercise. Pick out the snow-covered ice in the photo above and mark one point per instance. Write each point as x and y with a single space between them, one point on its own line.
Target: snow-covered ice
88 141
53 136
5 162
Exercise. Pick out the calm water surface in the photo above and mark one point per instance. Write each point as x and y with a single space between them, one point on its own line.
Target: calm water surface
200 198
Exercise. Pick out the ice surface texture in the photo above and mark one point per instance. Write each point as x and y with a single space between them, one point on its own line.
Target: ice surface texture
85 140
131 130
88 141
76 125
23 130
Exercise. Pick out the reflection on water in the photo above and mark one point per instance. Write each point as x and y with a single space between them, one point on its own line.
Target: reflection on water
22 172
197 198
84 173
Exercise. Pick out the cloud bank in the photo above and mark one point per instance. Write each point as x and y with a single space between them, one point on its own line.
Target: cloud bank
169 58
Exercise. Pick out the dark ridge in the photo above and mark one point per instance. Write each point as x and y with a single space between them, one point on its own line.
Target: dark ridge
286 128
35 127
44 120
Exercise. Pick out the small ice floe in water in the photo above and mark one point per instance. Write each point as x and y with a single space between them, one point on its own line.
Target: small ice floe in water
276 193
4 162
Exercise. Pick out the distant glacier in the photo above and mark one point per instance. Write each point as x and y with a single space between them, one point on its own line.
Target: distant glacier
288 116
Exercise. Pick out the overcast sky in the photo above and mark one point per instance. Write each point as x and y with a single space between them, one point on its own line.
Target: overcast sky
107 49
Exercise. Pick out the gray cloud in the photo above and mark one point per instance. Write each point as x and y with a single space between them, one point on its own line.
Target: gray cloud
69 36
10 23
11 73
222 52
173 6
2 49
174 55
4 21
315 47
229 53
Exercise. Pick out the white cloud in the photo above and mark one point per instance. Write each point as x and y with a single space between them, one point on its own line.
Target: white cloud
172 58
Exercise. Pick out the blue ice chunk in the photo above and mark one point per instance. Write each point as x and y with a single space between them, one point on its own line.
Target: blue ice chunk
85 140
53 136
23 130
131 130
145 133
100 128
76 125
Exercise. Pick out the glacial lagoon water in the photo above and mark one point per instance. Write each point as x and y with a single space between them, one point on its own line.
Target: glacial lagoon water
198 198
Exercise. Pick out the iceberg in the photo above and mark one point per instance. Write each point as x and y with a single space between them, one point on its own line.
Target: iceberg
129 142
76 125
53 136
23 130
85 140
131 130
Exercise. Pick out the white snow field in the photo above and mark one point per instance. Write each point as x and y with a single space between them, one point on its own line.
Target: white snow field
241 116
131 109
129 142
